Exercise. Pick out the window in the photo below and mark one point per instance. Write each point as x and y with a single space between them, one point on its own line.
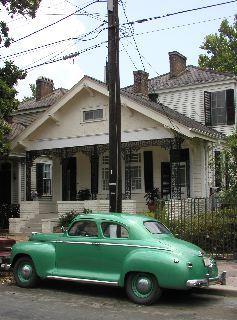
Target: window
84 229
47 179
44 179
92 115
105 173
155 227
179 173
114 230
219 107
133 170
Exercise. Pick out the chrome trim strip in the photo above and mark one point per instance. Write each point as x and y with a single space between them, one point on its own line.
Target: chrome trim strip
110 244
112 283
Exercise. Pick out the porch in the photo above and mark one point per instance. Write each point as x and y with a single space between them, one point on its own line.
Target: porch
177 167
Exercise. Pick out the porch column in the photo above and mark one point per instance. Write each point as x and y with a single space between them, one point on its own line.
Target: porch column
175 156
94 172
128 180
28 175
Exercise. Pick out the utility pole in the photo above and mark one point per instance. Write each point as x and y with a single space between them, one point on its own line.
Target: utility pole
115 181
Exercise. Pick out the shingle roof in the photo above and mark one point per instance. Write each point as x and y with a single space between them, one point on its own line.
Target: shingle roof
191 76
171 114
46 101
17 128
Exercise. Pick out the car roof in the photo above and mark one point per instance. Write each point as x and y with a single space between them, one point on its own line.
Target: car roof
119 217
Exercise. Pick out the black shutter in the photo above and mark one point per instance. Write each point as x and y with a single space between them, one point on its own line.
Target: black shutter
207 108
73 178
217 169
148 170
39 178
230 106
165 179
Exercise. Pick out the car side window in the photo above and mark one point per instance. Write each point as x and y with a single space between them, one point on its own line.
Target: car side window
114 230
84 228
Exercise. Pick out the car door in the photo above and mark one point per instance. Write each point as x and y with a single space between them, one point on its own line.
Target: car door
114 246
77 252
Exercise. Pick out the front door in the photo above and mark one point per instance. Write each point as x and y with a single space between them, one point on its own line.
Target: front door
69 179
5 182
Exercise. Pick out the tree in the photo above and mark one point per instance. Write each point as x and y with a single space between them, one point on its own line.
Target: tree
33 93
23 7
9 73
229 169
221 49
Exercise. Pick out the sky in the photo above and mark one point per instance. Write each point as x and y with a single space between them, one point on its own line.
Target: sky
144 46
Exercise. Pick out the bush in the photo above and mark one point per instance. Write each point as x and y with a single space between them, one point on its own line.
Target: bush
66 219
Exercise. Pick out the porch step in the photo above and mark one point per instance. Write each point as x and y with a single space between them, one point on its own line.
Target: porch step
35 224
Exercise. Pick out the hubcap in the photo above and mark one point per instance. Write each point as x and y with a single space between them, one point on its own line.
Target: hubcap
143 285
25 272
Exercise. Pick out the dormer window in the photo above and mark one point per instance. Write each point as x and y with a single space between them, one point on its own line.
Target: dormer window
95 114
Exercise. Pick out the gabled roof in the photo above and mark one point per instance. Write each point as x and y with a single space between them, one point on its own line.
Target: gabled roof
171 114
191 76
157 111
44 102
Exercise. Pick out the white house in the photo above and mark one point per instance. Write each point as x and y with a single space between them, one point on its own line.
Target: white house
60 141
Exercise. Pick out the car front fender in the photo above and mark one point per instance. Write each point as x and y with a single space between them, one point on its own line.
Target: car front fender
42 255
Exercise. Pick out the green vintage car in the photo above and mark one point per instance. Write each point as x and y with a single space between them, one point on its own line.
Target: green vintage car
131 251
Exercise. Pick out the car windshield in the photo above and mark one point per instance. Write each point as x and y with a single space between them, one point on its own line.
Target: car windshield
156 227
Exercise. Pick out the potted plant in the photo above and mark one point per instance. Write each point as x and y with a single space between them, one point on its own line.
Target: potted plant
83 194
152 197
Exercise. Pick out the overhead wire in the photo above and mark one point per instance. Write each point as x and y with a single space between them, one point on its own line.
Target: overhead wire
52 24
176 13
152 31
131 28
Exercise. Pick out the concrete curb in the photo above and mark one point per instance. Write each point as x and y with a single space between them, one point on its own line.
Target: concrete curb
219 290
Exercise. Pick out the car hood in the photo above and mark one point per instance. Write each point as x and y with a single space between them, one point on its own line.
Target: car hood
42 237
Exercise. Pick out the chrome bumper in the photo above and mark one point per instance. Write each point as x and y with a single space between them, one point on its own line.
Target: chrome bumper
221 279
5 266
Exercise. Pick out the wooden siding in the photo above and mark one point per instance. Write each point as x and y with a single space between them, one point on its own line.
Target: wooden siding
190 101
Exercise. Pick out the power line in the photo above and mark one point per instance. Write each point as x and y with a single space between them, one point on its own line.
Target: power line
176 13
68 56
128 36
132 29
178 26
52 24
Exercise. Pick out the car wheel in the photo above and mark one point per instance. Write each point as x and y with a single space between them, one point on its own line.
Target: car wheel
142 288
24 273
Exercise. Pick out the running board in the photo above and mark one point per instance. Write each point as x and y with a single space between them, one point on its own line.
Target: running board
108 283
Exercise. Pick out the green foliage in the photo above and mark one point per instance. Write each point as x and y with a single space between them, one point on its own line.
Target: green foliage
229 169
9 75
152 196
221 49
67 218
212 231
13 7
33 93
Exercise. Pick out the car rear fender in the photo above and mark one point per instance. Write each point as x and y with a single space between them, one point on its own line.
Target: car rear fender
42 254
161 263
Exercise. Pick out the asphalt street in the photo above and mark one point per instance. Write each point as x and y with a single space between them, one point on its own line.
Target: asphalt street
59 300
